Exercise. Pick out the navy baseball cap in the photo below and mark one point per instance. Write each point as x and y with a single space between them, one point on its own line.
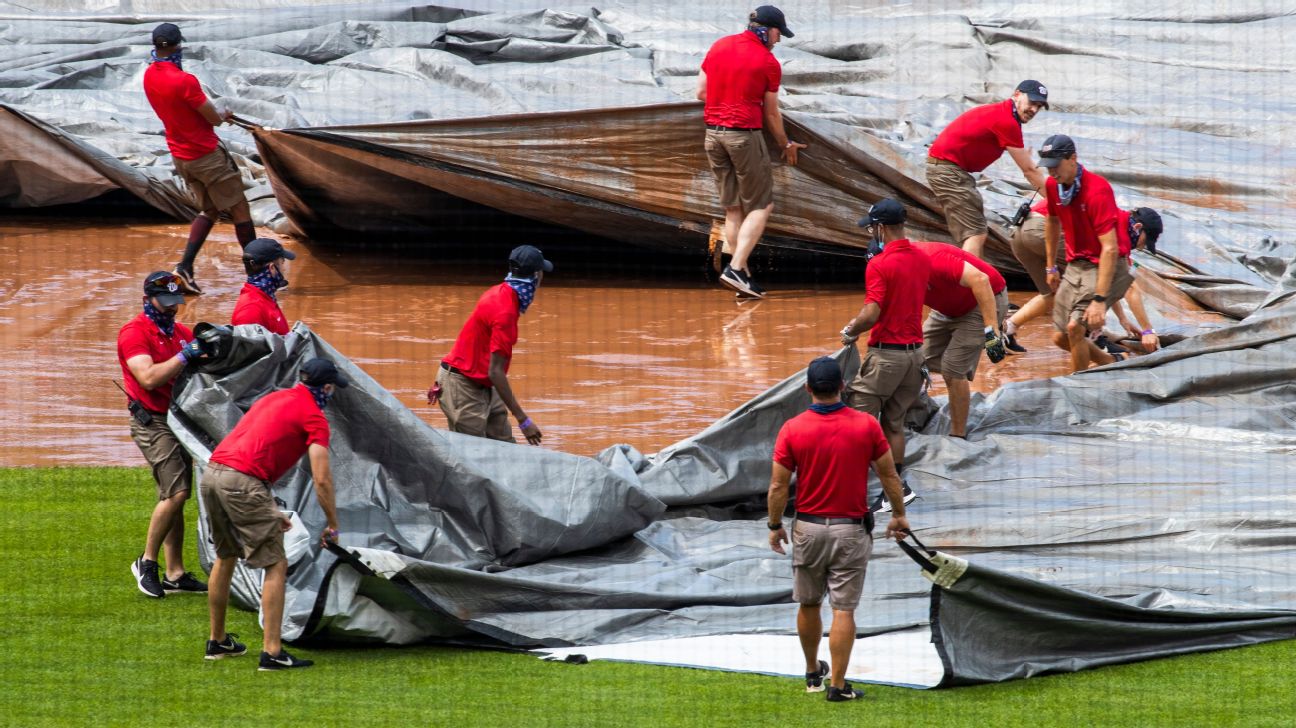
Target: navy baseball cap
1055 149
824 375
318 371
884 212
266 250
1152 225
771 17
526 260
1035 91
167 34
165 287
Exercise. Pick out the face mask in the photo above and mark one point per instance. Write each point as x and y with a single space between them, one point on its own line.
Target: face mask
876 245
175 58
1067 194
321 397
761 32
525 288
269 280
165 321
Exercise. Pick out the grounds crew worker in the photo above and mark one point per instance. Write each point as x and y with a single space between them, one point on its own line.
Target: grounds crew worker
245 522
472 386
200 157
832 535
1139 228
1081 204
739 82
152 349
968 301
891 372
257 302
973 142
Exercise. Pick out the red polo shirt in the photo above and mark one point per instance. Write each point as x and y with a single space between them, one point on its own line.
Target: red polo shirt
944 292
255 307
979 136
740 70
830 455
491 329
273 435
1041 206
141 336
175 97
896 281
1091 213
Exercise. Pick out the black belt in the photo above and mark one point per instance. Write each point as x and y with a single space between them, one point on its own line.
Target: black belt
822 521
897 347
717 127
460 372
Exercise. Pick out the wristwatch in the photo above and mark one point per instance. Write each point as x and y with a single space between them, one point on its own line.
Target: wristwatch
1100 298
774 526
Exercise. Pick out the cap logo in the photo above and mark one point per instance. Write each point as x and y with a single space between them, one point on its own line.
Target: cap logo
1046 148
1043 91
172 287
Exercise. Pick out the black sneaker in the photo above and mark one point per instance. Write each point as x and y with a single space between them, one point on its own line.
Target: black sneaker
186 583
843 694
740 282
1109 346
225 648
884 504
282 661
146 577
187 281
814 680
1010 343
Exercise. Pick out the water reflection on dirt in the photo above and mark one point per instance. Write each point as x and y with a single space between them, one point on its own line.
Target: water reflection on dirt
600 361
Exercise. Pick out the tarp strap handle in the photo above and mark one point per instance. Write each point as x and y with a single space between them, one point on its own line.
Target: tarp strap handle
919 557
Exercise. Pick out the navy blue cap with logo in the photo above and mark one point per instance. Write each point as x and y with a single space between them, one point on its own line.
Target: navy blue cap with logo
1035 91
266 250
1152 225
1055 149
527 260
167 34
319 371
824 375
165 287
885 212
771 17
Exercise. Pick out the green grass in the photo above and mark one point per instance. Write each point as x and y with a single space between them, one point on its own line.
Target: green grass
80 646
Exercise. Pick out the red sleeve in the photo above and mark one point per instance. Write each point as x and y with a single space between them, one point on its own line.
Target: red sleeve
880 445
504 333
783 449
192 92
131 343
317 429
1054 202
1102 210
874 283
773 74
1008 131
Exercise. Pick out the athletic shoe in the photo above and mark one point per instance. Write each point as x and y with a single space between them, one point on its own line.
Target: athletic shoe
843 694
187 281
740 282
186 583
146 577
1013 308
1109 346
282 661
883 504
814 680
1010 343
225 648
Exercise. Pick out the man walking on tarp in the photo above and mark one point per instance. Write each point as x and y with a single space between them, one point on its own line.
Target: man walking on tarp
968 301
472 386
739 82
832 535
153 349
973 142
891 373
1082 206
245 522
200 156
258 302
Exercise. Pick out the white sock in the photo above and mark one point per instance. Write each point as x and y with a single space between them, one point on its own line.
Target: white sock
1010 328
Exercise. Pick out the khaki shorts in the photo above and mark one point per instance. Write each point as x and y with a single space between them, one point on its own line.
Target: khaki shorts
958 195
171 463
245 522
740 162
473 409
1080 283
213 179
953 346
888 383
829 558
1028 247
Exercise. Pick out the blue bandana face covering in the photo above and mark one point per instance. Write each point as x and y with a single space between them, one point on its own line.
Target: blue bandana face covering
761 32
269 280
525 288
175 58
1133 232
1067 194
321 397
165 321
826 409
